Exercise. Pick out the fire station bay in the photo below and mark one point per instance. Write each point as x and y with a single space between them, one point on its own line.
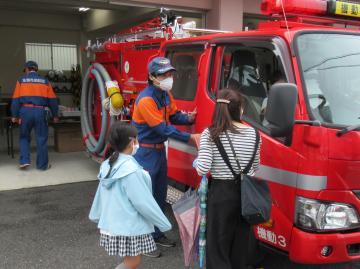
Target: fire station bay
94 91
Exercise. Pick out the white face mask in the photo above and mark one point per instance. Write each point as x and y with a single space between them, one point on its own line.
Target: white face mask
166 84
135 149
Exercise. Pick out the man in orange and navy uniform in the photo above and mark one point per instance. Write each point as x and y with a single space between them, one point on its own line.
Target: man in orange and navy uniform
33 93
154 112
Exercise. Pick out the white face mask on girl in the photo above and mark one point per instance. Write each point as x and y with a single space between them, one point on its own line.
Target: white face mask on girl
166 84
135 149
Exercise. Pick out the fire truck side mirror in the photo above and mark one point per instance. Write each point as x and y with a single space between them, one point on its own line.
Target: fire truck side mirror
280 111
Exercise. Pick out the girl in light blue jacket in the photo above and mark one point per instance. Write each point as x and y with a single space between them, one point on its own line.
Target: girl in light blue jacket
124 207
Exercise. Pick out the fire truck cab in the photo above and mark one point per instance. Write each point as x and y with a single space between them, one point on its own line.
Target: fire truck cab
300 83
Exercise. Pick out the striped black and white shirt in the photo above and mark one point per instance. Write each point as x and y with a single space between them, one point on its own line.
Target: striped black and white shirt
210 160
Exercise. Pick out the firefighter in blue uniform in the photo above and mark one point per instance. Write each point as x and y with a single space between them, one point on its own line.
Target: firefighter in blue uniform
154 111
33 93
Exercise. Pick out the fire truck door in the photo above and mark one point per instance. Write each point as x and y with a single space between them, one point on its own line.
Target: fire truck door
185 59
251 67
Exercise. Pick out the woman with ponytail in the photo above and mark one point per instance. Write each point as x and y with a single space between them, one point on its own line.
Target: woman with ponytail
124 207
227 232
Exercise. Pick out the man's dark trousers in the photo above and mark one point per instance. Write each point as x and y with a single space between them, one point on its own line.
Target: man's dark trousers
32 117
154 161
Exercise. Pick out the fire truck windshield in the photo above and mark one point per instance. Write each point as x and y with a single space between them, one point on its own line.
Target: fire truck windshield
330 64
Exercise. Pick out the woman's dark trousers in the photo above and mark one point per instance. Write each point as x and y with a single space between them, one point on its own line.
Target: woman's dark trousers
227 233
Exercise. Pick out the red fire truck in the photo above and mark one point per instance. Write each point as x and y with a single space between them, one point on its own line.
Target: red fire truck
299 75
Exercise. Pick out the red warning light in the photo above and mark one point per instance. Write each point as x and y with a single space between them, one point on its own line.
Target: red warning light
305 7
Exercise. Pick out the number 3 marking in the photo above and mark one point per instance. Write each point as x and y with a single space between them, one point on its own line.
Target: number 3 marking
282 241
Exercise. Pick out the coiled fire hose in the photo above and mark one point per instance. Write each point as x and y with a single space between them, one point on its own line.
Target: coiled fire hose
111 100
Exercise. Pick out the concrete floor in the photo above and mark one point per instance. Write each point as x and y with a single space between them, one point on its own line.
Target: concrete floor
65 167
48 227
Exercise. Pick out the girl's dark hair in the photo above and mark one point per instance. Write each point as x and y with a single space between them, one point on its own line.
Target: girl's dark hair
224 114
120 136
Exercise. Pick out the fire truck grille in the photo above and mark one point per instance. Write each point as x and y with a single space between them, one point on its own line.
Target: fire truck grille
357 193
354 249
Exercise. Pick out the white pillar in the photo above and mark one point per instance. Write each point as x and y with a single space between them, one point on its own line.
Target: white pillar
226 15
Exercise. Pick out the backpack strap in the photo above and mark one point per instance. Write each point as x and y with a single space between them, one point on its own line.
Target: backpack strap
248 167
233 151
223 154
226 159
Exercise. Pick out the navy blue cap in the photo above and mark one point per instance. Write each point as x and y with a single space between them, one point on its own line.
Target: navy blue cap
31 64
160 65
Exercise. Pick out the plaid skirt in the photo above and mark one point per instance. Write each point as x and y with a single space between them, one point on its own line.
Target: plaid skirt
127 245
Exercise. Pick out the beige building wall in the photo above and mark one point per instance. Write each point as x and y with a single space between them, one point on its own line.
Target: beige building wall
252 6
229 14
226 15
220 14
184 4
17 28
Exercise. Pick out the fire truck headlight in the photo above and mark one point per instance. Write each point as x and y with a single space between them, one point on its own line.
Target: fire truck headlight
317 215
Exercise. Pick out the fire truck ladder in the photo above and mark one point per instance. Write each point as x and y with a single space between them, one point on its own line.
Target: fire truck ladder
165 26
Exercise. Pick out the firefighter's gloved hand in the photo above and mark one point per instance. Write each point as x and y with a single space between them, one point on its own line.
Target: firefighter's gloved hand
192 115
